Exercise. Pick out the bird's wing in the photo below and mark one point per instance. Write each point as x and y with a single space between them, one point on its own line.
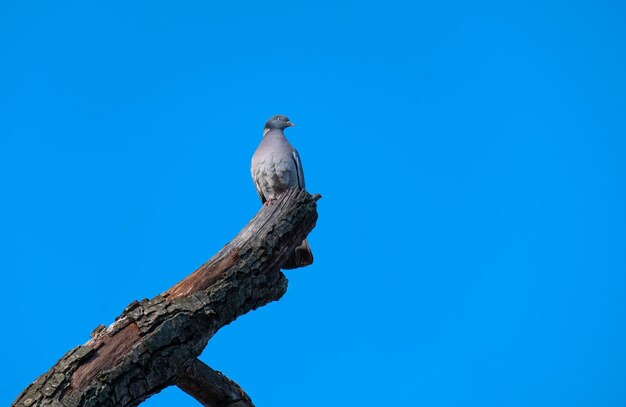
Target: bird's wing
257 186
258 191
299 170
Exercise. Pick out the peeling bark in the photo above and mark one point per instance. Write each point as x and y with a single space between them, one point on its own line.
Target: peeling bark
155 343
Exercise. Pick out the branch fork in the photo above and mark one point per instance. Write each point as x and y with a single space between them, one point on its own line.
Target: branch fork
155 343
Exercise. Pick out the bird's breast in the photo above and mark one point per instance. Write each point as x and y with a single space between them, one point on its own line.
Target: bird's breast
274 174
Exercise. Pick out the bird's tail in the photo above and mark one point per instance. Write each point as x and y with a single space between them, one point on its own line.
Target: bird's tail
300 257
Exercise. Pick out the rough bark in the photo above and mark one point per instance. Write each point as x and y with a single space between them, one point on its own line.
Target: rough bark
155 343
211 388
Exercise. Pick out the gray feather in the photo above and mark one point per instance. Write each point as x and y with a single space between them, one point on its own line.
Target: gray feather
276 168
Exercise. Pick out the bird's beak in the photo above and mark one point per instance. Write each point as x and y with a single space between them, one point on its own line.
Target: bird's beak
290 124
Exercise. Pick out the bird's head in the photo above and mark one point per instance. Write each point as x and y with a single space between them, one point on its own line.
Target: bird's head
278 121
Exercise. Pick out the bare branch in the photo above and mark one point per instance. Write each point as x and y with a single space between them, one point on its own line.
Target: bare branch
211 388
153 341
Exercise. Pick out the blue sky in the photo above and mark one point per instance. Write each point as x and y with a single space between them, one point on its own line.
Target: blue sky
471 245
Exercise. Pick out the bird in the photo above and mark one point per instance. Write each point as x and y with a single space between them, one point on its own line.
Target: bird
276 168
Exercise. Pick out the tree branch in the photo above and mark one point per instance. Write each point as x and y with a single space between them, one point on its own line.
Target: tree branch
153 341
211 388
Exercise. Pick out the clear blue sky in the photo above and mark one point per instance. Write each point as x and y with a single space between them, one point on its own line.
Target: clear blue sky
471 245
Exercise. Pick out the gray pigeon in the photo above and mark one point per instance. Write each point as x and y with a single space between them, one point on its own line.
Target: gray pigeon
275 168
